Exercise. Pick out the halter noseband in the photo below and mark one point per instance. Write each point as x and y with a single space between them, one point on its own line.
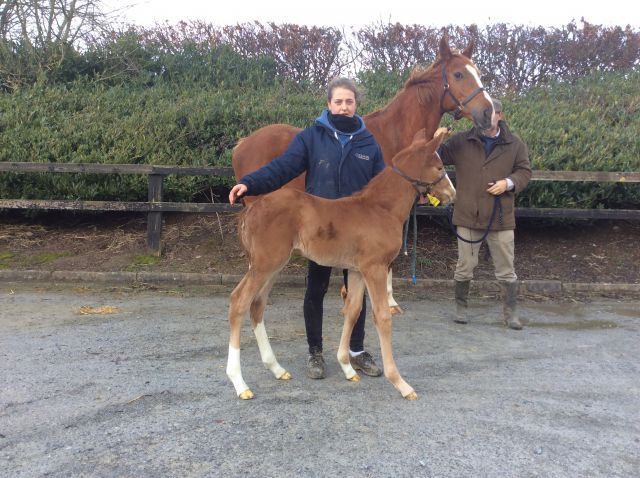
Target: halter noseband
457 111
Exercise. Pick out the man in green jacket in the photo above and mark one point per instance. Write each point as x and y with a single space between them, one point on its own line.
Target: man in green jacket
491 167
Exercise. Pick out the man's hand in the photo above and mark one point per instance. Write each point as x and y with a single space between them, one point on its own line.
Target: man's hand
498 187
237 192
443 130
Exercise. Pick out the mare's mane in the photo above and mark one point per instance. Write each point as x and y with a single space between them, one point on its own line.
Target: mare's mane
427 76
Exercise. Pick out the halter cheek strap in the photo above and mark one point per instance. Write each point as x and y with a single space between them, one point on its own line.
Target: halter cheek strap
417 183
457 111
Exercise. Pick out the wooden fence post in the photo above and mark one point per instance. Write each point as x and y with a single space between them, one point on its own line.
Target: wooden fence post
154 219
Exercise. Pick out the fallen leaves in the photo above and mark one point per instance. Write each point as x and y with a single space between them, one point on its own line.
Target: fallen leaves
105 310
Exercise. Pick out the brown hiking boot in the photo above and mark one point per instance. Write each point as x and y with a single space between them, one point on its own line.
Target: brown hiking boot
365 363
315 365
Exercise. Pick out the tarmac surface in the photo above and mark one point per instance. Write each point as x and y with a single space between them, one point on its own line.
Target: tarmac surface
129 380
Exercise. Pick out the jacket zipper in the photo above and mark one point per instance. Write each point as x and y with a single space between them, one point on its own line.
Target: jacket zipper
342 158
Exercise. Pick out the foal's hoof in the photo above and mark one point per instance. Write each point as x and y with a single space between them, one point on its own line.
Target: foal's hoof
246 395
285 376
355 378
411 396
396 309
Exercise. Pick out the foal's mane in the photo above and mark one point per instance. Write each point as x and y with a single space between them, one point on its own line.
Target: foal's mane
379 178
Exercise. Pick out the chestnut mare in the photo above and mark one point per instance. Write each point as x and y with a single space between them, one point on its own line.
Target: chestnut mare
362 233
451 84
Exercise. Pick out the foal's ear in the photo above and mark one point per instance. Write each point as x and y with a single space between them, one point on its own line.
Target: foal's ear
438 137
421 135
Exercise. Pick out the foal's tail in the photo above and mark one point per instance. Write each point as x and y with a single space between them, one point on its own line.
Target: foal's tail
251 227
243 233
269 227
238 144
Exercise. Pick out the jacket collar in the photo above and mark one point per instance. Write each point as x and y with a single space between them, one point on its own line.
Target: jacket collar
505 137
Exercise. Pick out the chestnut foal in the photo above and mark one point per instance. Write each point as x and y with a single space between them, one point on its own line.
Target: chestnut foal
362 233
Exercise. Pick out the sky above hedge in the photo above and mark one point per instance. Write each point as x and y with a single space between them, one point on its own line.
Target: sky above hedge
359 13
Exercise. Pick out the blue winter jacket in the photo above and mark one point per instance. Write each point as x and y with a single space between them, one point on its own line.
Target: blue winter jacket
337 164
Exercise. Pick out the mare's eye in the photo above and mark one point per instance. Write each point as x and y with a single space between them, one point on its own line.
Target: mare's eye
457 75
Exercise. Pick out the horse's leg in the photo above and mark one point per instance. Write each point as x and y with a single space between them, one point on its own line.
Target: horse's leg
351 311
239 304
394 307
257 322
376 285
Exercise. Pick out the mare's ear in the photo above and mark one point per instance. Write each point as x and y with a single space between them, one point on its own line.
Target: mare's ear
469 50
445 50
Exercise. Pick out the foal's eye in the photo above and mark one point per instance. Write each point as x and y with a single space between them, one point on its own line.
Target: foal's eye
457 75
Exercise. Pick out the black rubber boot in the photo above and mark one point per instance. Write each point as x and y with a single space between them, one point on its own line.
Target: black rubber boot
509 299
461 294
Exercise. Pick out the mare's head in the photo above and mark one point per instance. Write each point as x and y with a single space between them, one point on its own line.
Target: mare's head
463 94
432 178
454 80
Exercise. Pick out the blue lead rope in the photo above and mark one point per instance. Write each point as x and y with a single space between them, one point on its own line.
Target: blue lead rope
415 243
415 240
496 205
405 234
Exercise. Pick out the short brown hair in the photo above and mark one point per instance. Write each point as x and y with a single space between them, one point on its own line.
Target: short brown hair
345 83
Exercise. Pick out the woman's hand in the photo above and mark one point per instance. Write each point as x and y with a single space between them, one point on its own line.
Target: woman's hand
237 192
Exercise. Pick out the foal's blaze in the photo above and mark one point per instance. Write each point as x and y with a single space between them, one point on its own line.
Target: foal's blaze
420 104
362 233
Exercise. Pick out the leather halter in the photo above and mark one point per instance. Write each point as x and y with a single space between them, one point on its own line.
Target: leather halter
457 111
417 183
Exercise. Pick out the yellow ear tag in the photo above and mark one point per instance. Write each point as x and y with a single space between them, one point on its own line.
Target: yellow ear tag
434 201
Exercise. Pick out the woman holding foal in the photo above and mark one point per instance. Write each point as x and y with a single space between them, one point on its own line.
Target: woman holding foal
340 156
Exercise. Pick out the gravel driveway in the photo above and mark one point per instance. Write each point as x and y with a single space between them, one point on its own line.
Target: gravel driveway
141 391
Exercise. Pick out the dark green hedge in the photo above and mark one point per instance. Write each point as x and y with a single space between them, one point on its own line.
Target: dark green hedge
165 124
591 124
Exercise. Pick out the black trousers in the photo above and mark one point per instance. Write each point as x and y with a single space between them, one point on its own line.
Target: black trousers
317 285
